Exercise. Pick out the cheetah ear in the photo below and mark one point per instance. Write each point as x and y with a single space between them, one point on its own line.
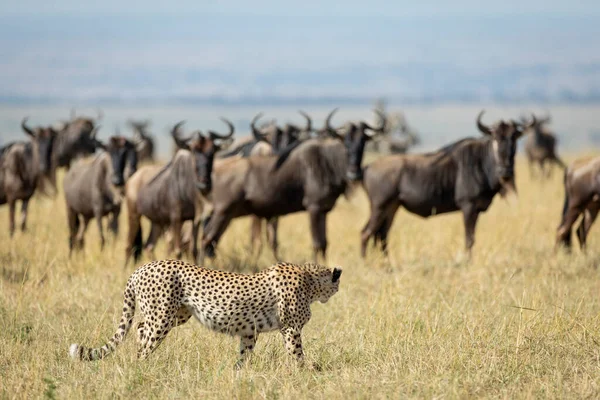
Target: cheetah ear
336 275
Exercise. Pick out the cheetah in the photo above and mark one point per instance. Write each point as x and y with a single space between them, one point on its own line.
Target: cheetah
169 292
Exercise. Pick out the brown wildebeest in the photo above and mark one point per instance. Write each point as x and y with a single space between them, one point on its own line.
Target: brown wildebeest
464 176
267 140
307 176
582 196
540 148
24 167
94 188
144 142
175 193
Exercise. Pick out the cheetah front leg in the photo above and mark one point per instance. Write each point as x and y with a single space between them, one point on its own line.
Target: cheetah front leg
247 344
293 343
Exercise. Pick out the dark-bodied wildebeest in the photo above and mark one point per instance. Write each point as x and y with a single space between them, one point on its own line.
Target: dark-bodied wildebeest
540 148
94 188
25 167
463 176
582 197
144 142
175 193
307 176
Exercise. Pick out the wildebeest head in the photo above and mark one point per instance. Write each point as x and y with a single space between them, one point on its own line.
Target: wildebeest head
44 139
203 148
280 138
504 136
355 137
123 156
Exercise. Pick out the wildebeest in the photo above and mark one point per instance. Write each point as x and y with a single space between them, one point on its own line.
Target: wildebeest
582 197
144 142
24 167
540 148
465 176
175 193
307 176
94 188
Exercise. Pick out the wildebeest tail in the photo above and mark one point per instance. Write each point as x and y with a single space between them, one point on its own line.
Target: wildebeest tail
138 244
79 352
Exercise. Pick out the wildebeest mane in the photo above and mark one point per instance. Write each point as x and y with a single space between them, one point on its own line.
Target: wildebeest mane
326 161
284 153
475 168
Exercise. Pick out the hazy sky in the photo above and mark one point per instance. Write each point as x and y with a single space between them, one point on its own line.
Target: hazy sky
308 7
462 49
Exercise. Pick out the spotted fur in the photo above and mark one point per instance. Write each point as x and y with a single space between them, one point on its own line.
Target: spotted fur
169 292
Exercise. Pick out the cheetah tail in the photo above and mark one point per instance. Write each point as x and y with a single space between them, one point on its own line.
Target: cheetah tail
78 352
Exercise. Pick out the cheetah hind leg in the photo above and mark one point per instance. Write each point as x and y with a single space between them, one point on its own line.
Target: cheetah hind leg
143 334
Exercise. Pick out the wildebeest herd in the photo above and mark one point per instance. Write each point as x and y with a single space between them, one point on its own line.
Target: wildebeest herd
212 179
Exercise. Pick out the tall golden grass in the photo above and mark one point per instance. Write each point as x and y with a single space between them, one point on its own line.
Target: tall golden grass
517 321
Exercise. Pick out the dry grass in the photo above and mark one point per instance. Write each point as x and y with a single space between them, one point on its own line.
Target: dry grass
516 322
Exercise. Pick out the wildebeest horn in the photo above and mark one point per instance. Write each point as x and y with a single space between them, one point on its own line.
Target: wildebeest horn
26 128
380 129
308 121
328 119
255 132
328 129
181 143
214 135
483 128
100 115
546 119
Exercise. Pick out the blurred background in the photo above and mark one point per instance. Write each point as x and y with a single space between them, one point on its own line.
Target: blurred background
437 62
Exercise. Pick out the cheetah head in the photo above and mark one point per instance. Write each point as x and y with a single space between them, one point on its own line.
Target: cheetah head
329 283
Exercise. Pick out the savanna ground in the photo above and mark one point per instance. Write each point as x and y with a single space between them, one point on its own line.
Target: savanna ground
517 321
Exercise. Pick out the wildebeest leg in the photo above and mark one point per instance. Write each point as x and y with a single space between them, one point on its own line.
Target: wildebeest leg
73 220
255 236
214 230
81 233
531 166
563 235
11 217
589 216
544 172
156 231
113 223
24 205
384 229
176 231
134 237
98 217
272 225
470 214
318 228
194 239
377 218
